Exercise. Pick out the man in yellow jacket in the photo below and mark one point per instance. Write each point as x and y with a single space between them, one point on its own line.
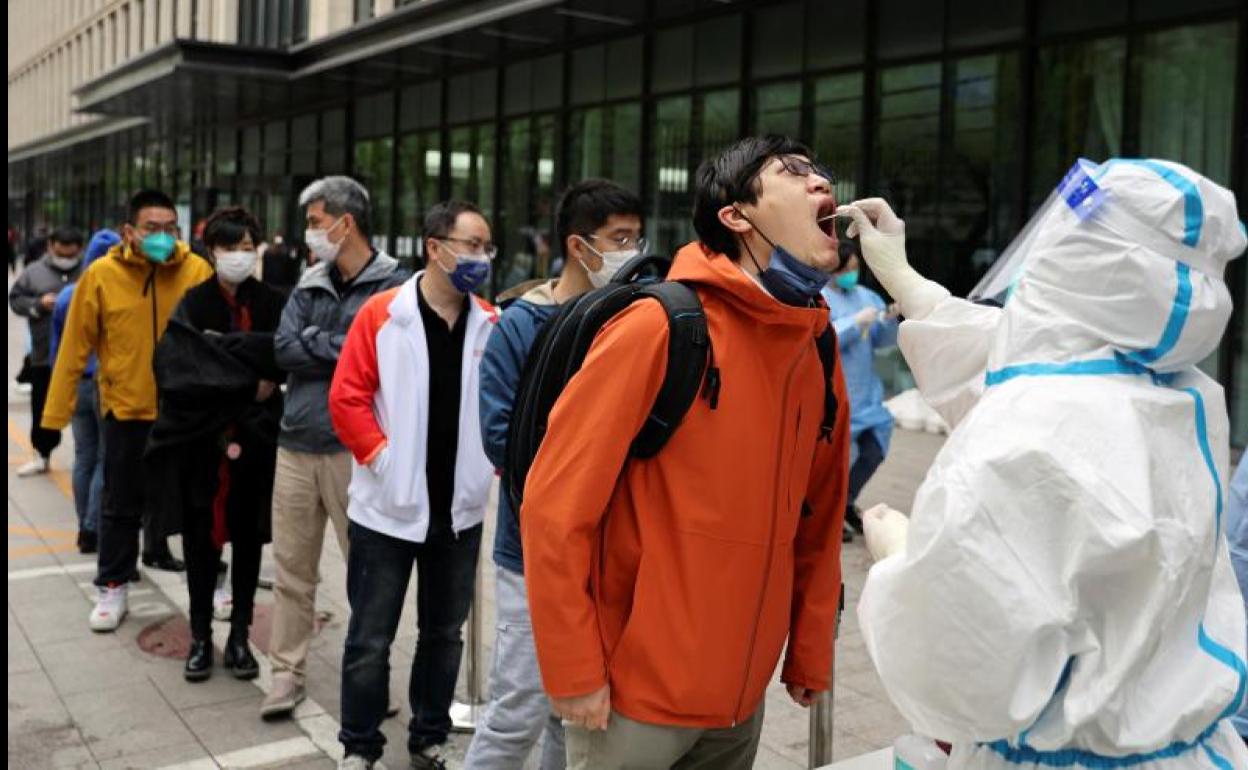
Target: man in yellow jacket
118 312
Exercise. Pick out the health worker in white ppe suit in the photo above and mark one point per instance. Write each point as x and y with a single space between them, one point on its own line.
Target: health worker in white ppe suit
1063 596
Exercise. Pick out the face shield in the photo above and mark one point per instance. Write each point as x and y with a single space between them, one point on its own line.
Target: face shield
1078 192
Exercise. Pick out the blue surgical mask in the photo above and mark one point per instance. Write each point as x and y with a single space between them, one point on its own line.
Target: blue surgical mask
787 278
469 273
847 281
790 280
158 247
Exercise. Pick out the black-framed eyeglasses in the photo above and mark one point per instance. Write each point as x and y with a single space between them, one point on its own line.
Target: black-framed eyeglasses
476 245
798 166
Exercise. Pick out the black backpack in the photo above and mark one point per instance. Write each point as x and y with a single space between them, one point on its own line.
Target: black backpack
564 340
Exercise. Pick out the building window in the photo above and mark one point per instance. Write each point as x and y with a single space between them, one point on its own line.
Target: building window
778 109
686 129
606 142
373 159
1078 109
837 139
363 10
420 170
472 165
525 223
907 164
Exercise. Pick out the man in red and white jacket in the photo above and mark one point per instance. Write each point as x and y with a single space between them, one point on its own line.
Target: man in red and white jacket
404 400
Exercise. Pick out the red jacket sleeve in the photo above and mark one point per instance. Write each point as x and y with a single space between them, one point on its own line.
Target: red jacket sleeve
356 381
817 567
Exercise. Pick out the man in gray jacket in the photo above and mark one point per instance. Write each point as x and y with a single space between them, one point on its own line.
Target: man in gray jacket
313 468
33 296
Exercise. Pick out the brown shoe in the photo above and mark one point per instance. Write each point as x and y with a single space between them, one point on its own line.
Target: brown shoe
284 695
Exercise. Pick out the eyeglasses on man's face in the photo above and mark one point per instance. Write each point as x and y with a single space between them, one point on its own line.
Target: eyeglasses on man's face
799 166
620 243
476 246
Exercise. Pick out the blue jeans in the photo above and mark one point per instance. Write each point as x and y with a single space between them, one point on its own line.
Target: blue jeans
88 456
378 570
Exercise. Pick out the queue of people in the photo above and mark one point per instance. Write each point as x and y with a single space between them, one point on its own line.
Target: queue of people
644 601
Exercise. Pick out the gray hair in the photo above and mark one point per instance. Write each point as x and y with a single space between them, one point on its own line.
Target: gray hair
341 195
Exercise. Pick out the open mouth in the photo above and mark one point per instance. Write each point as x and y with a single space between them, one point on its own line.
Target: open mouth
825 218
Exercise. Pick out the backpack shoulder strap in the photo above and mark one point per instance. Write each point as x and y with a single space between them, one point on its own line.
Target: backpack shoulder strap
689 359
826 345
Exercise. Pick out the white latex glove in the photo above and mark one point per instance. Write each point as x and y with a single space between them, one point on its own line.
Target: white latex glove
883 237
865 319
886 530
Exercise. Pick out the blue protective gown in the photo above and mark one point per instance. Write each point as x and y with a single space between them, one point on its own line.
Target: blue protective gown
866 392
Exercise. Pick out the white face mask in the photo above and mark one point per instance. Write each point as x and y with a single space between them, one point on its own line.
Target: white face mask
319 244
612 261
64 263
235 266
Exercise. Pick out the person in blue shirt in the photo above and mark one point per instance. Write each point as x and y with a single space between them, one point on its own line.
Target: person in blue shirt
88 474
599 227
863 324
1237 536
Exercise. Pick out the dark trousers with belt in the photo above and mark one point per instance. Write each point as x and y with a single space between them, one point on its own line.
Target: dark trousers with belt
128 502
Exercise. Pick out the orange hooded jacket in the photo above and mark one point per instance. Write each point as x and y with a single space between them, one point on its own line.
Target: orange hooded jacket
677 579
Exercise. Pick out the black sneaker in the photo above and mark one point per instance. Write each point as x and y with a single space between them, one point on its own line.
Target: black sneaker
853 517
164 562
428 759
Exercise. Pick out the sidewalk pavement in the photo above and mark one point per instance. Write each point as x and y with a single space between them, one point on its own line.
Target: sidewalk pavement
78 699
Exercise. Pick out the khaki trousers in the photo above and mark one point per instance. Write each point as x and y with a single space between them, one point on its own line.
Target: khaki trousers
308 489
630 745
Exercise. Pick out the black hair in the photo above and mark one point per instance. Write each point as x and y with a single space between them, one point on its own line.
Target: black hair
67 236
148 199
588 204
441 217
731 177
228 226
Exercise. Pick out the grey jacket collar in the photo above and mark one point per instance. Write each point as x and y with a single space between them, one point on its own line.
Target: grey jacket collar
317 276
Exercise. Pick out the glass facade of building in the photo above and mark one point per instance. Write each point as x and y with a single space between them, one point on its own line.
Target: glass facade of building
962 113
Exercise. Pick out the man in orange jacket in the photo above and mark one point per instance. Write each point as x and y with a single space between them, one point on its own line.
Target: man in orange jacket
663 590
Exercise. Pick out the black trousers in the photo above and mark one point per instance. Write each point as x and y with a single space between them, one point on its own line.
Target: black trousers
42 439
202 558
128 501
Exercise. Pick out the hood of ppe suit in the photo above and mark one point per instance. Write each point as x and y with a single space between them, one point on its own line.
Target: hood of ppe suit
1139 277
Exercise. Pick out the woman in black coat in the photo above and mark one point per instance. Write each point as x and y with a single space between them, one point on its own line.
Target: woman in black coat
216 435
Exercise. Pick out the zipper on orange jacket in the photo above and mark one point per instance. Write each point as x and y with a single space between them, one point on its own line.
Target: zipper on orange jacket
771 545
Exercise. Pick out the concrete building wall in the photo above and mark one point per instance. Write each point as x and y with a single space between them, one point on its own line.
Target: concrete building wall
57 45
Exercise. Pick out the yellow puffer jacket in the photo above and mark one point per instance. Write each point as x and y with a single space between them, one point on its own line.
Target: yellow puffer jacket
119 310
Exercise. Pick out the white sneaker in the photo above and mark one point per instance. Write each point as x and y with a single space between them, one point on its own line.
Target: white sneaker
35 467
222 604
356 762
110 608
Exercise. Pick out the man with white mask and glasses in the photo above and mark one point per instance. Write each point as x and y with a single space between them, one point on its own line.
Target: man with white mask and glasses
313 467
599 224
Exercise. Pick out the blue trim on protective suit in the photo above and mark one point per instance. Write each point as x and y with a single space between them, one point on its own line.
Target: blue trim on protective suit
1193 206
1117 365
1178 318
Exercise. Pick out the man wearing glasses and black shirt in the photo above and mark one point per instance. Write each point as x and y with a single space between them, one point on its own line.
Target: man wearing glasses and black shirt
405 401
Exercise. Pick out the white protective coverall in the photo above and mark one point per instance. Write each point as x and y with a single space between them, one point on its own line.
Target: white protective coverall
1065 597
